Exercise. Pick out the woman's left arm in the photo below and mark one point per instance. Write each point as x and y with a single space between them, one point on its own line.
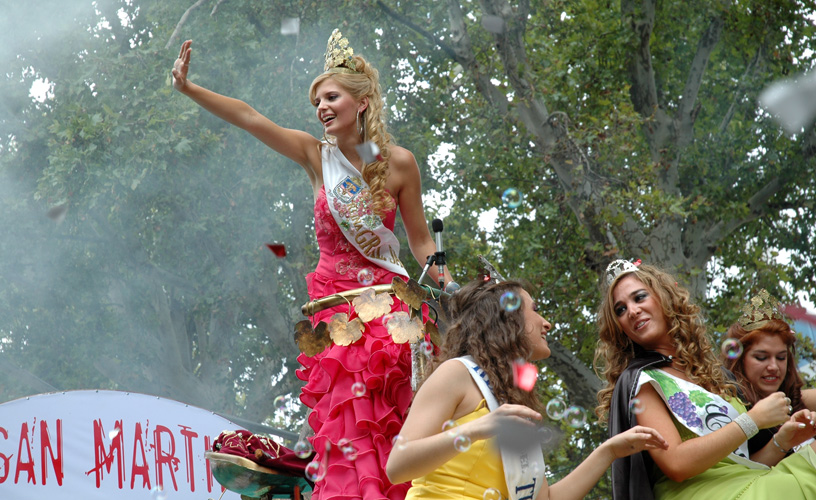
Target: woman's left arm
809 398
578 482
404 166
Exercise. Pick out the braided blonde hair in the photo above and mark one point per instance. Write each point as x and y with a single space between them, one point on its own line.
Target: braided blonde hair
365 82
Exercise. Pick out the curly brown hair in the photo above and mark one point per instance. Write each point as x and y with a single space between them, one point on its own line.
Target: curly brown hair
495 337
693 349
791 385
365 82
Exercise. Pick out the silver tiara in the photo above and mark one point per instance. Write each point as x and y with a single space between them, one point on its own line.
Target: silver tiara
616 268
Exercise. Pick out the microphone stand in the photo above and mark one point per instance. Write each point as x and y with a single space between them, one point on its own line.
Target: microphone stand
439 257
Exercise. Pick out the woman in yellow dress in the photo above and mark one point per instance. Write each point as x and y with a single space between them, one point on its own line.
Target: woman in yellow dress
471 392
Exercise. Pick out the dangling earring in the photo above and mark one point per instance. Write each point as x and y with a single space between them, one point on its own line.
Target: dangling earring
361 128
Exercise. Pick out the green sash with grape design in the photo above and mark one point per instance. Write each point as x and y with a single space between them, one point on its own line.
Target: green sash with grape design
695 408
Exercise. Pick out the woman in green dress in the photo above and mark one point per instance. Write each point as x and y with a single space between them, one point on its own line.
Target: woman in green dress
662 372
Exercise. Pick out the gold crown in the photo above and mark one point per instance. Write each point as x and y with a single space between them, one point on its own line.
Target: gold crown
339 56
761 309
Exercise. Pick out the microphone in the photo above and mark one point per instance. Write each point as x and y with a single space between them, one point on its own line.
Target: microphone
437 226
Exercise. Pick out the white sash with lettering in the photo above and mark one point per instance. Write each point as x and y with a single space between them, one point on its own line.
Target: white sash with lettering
350 201
698 410
522 482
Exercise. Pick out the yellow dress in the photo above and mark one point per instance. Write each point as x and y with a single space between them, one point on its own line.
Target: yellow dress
466 476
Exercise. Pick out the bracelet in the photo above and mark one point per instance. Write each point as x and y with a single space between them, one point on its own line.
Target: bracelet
747 425
783 450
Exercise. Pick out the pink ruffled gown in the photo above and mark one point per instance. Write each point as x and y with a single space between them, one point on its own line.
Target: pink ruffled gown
370 421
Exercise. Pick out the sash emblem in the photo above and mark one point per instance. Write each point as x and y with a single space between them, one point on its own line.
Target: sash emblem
348 188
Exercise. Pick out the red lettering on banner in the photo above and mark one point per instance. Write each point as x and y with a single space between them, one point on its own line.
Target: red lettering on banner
56 462
163 458
103 459
207 447
188 454
25 466
5 459
139 470
54 448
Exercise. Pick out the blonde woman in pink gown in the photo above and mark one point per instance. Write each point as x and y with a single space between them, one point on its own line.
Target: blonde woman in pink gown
359 392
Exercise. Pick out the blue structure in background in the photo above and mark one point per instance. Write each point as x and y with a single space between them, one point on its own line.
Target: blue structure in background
805 325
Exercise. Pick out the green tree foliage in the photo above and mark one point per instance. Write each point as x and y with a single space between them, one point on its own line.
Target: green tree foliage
631 128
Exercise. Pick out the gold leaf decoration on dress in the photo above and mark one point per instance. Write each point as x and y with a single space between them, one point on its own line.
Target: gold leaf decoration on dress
311 341
404 328
433 332
370 305
409 292
344 332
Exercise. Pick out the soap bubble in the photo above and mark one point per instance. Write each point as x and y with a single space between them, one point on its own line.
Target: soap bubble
358 389
398 442
556 409
512 198
461 443
348 449
303 449
279 402
158 493
451 427
426 348
731 348
510 301
315 471
636 406
452 287
492 494
575 416
365 276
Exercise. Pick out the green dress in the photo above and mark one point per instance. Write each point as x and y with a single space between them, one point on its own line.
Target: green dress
794 478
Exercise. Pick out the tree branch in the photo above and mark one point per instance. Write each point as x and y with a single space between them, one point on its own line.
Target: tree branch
809 143
643 90
582 382
424 33
510 44
686 114
172 40
215 7
739 92
24 378
757 208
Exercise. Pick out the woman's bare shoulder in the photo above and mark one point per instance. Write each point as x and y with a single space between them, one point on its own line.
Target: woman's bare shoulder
402 158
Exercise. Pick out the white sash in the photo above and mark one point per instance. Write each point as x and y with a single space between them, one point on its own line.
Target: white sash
522 482
349 200
698 410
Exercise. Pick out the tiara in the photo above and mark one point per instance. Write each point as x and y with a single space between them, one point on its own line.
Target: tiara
489 273
761 309
339 56
619 267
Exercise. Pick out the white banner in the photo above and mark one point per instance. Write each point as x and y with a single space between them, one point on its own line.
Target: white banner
106 444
